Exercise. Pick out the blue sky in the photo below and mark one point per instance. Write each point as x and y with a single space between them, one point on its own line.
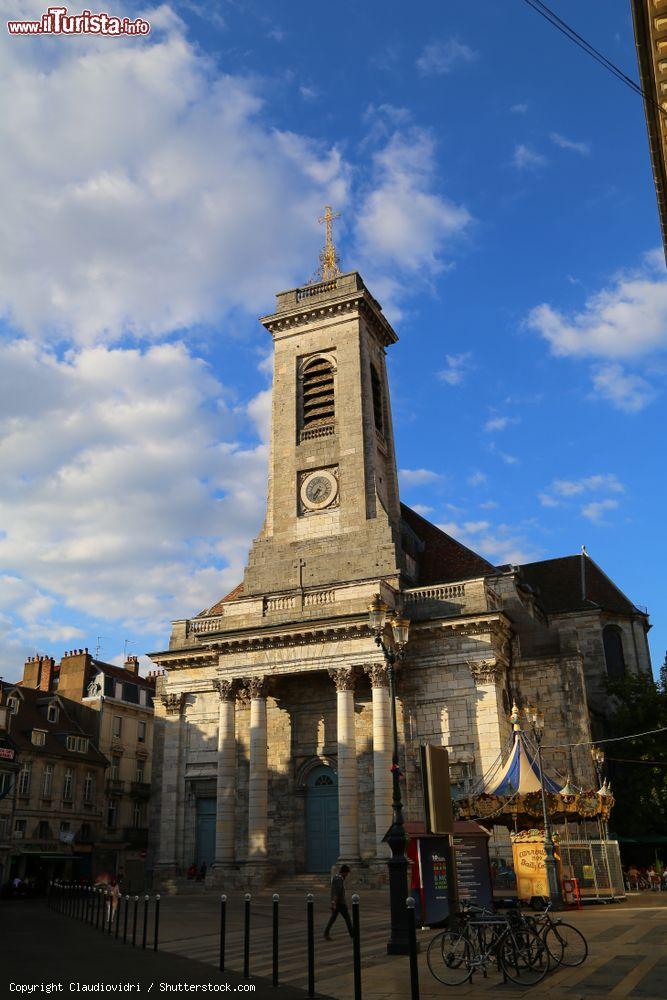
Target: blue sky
496 194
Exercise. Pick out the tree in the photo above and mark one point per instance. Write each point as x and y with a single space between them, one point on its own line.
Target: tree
640 789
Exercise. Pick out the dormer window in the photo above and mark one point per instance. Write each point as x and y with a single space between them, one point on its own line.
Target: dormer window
78 744
317 404
13 704
38 737
52 713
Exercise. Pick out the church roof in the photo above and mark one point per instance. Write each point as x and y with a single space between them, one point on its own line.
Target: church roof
442 559
558 586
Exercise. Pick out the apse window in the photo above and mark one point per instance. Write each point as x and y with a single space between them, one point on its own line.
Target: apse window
612 640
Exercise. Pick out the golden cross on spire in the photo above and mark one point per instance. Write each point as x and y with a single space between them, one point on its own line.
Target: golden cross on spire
329 259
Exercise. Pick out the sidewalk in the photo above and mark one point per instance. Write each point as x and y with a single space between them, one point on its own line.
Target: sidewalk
40 947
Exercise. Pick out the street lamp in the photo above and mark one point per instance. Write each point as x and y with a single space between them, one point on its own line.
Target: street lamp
536 719
395 837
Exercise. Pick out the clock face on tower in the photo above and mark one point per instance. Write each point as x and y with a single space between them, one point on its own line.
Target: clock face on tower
319 490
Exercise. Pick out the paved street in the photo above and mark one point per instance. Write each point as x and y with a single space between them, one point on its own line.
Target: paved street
627 941
628 951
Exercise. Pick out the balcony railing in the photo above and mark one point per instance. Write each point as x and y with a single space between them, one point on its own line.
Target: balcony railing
140 789
114 786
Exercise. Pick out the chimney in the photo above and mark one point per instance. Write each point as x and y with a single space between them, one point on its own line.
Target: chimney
47 663
132 664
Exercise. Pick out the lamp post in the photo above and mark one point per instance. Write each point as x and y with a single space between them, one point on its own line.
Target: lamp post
396 838
604 791
537 724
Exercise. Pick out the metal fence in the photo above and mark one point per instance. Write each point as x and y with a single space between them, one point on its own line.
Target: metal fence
596 865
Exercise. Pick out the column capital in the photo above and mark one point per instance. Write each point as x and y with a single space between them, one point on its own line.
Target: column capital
173 703
225 689
486 671
343 678
256 686
377 672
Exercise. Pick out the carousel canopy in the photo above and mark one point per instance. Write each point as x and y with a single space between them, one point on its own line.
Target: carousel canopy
520 774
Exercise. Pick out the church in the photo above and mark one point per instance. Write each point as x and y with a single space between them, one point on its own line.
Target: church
272 748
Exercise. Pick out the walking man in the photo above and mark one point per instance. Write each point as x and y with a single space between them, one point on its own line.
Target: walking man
338 904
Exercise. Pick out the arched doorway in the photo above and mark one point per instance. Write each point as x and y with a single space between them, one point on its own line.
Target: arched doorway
321 819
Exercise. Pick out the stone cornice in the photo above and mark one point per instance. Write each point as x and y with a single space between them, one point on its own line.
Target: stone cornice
175 659
315 311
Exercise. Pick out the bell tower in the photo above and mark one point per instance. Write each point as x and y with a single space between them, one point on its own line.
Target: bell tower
333 510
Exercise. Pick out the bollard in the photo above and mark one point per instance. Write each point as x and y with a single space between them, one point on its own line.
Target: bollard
157 921
127 907
356 947
143 936
110 902
118 908
311 944
276 903
98 894
82 899
412 946
91 904
134 921
246 938
223 930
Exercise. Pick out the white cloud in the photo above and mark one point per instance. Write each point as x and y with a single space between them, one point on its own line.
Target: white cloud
627 319
457 367
143 186
562 490
403 226
127 496
499 423
627 392
418 477
422 508
596 510
501 544
519 109
477 479
441 57
526 158
583 148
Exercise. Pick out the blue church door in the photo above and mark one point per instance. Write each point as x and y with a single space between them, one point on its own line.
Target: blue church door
321 819
205 832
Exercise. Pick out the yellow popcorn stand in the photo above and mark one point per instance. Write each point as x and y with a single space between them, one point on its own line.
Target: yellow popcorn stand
529 867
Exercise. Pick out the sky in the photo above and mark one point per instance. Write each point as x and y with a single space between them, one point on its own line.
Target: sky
495 192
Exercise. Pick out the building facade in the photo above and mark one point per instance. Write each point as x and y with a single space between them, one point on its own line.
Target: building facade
272 724
650 23
57 798
122 705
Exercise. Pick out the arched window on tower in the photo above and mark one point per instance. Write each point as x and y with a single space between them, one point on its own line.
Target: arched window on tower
318 404
612 640
378 402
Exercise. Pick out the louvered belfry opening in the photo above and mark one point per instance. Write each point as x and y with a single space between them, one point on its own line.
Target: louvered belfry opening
317 401
378 408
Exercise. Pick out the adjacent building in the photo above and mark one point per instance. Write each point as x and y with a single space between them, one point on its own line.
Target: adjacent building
121 703
8 769
57 784
272 742
650 21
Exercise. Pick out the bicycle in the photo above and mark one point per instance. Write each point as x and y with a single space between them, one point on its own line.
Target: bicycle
566 945
481 938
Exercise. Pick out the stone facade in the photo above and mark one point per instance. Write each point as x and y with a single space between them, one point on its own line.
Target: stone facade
278 692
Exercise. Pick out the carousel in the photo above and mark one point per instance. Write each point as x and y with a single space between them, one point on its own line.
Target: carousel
531 810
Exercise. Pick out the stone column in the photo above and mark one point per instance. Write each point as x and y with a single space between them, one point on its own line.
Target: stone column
258 781
348 789
172 791
226 778
382 748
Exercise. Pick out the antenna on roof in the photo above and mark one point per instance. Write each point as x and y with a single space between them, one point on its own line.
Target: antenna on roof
99 645
128 642
583 572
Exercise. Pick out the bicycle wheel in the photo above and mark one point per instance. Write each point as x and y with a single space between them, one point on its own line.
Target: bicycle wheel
449 957
566 945
524 957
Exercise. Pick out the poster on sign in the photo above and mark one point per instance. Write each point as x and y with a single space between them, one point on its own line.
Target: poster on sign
472 868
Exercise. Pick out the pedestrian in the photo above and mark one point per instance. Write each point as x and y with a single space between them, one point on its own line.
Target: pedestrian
338 903
114 899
